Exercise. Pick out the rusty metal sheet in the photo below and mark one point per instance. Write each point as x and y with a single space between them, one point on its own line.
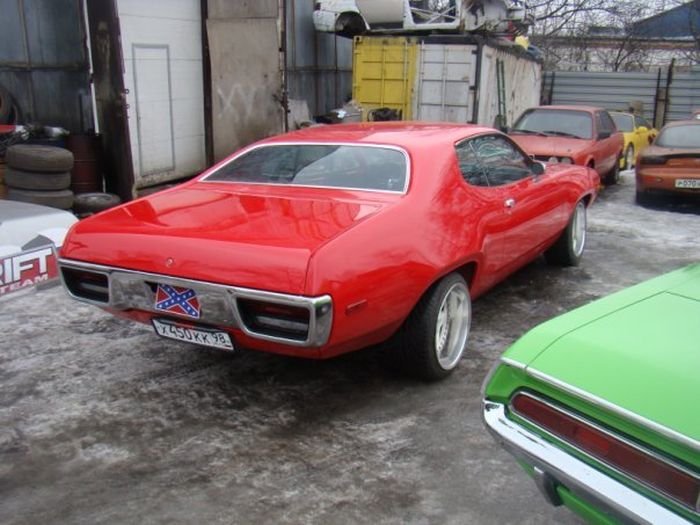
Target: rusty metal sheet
224 9
246 82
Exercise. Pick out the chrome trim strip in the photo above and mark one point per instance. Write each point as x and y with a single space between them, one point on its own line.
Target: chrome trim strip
128 289
615 409
601 490
512 362
585 421
407 158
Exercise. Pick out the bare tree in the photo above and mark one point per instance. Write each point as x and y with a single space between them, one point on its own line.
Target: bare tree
582 34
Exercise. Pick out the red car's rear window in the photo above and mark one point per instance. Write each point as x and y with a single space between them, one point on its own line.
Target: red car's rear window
320 165
680 137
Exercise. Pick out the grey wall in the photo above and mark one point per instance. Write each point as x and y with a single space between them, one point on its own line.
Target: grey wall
617 90
43 61
684 96
319 65
246 77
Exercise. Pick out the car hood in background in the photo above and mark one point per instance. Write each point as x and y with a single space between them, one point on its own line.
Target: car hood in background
550 146
25 226
218 234
643 357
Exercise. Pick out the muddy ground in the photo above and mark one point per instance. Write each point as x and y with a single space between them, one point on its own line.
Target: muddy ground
103 422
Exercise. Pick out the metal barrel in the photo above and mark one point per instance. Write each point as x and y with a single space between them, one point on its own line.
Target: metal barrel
86 175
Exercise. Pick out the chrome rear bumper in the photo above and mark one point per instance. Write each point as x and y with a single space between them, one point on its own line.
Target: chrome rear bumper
554 466
128 289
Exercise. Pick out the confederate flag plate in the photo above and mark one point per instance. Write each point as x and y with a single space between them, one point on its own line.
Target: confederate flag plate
177 300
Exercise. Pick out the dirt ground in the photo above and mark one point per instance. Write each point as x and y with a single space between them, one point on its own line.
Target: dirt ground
103 422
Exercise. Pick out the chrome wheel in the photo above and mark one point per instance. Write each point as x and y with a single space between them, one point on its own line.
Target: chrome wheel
452 326
578 230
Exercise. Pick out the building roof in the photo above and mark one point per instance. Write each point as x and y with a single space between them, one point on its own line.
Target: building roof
681 22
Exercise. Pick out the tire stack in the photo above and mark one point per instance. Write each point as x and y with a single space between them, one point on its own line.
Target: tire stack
39 175
86 204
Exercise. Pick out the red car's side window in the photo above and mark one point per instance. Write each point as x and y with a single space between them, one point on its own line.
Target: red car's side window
469 165
492 160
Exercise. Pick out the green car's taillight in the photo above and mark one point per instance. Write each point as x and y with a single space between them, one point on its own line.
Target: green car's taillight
638 463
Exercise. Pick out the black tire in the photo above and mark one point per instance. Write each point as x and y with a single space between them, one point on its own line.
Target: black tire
629 156
415 346
36 180
35 157
569 247
94 202
613 176
61 199
643 198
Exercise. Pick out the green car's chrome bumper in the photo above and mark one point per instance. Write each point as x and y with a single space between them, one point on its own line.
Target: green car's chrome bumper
553 467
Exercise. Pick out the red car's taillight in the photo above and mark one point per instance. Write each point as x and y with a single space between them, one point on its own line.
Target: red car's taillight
93 286
274 318
634 461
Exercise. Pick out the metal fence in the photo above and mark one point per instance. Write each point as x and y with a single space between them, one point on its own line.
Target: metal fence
662 96
319 65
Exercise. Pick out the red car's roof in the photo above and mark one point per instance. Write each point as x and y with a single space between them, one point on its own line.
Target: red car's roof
682 123
589 109
402 134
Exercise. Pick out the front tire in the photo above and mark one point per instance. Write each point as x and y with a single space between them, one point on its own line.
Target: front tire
569 247
613 176
432 340
629 157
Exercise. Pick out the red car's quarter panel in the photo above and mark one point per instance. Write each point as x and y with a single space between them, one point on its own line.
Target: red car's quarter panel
218 233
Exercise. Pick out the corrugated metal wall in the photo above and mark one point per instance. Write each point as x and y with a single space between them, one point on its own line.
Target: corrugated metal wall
319 65
43 61
617 91
684 96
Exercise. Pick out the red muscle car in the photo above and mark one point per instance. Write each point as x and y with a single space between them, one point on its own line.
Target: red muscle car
331 239
572 135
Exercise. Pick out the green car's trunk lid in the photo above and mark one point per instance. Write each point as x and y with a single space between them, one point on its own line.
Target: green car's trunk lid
643 358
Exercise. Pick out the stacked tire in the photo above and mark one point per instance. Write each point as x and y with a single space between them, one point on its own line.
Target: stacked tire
39 175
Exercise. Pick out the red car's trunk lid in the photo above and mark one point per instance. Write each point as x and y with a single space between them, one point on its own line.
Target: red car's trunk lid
217 234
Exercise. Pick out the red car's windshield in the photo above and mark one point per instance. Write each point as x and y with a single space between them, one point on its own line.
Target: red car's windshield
322 165
558 122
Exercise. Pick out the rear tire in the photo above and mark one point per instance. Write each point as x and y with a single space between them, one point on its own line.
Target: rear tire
61 199
613 176
94 202
568 250
36 180
35 157
642 198
432 340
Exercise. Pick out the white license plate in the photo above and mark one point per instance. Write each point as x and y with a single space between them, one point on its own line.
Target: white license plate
688 183
192 334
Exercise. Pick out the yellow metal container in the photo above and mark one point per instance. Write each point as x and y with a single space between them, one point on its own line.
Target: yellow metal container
384 73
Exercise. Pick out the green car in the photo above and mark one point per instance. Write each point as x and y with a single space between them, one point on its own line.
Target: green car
601 406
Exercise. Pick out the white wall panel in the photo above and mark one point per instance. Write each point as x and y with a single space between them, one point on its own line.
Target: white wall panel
162 50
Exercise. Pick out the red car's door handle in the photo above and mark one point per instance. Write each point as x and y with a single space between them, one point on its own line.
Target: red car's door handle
509 203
